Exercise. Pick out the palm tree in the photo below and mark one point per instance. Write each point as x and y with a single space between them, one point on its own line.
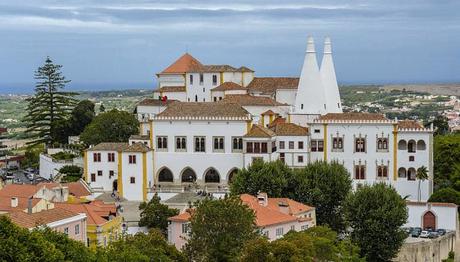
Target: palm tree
422 174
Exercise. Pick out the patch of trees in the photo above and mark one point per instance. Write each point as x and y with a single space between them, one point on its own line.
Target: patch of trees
154 214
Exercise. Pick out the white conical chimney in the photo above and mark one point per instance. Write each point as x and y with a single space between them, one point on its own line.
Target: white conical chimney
329 80
310 98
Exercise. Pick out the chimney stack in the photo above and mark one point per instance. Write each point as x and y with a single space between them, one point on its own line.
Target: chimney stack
310 99
29 206
14 202
329 79
262 198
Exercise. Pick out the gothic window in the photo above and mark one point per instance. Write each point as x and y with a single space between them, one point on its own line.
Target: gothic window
181 143
162 142
200 144
360 171
360 145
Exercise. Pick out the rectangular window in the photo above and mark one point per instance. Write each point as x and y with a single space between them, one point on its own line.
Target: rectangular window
293 227
162 143
132 159
300 144
111 157
191 79
201 79
99 173
317 131
300 159
218 143
214 79
382 172
97 157
111 173
317 145
200 144
66 230
337 144
264 147
257 147
360 172
215 99
279 232
77 229
304 227
411 158
282 145
237 144
282 157
273 146
291 144
360 145
181 143
93 177
249 147
132 180
382 144
185 228
265 233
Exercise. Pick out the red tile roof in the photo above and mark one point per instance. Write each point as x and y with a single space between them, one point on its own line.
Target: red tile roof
249 100
95 211
16 190
289 129
353 116
184 64
44 217
204 109
260 131
269 112
269 85
23 202
410 124
278 120
228 86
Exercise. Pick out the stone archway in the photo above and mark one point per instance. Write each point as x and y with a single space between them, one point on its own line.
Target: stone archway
211 176
188 175
429 220
231 175
165 175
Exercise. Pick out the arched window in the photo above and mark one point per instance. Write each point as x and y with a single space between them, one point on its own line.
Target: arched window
188 175
421 145
165 175
411 174
402 145
211 176
411 146
402 172
232 175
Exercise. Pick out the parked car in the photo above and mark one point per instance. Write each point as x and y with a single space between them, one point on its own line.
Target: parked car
408 230
433 234
415 232
9 175
425 234
441 231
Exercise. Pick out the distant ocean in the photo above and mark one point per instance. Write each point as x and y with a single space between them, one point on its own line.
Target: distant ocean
29 88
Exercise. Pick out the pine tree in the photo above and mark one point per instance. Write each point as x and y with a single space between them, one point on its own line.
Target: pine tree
49 104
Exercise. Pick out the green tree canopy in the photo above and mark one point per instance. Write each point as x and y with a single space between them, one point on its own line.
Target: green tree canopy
324 186
375 215
220 229
446 160
315 244
445 195
111 126
70 173
269 177
321 184
155 214
143 247
49 105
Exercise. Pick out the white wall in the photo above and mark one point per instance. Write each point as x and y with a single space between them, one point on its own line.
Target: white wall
286 96
446 215
170 80
103 182
199 162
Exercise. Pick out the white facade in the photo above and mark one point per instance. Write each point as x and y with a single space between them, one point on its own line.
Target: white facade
445 215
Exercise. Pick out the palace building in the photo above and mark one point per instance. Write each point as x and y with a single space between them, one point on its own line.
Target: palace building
205 122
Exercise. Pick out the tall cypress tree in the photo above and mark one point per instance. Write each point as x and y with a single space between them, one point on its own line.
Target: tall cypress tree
49 105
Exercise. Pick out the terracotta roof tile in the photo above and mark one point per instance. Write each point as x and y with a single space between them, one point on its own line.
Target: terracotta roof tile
204 109
249 100
260 131
44 217
184 64
269 85
23 202
95 211
293 206
244 69
266 216
171 89
228 86
182 217
109 147
353 116
155 102
410 124
289 129
137 147
269 112
16 190
277 121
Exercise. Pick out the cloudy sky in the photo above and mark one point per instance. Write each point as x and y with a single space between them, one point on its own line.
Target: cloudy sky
123 43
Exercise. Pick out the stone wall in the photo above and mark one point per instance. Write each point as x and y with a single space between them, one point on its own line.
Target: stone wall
433 250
